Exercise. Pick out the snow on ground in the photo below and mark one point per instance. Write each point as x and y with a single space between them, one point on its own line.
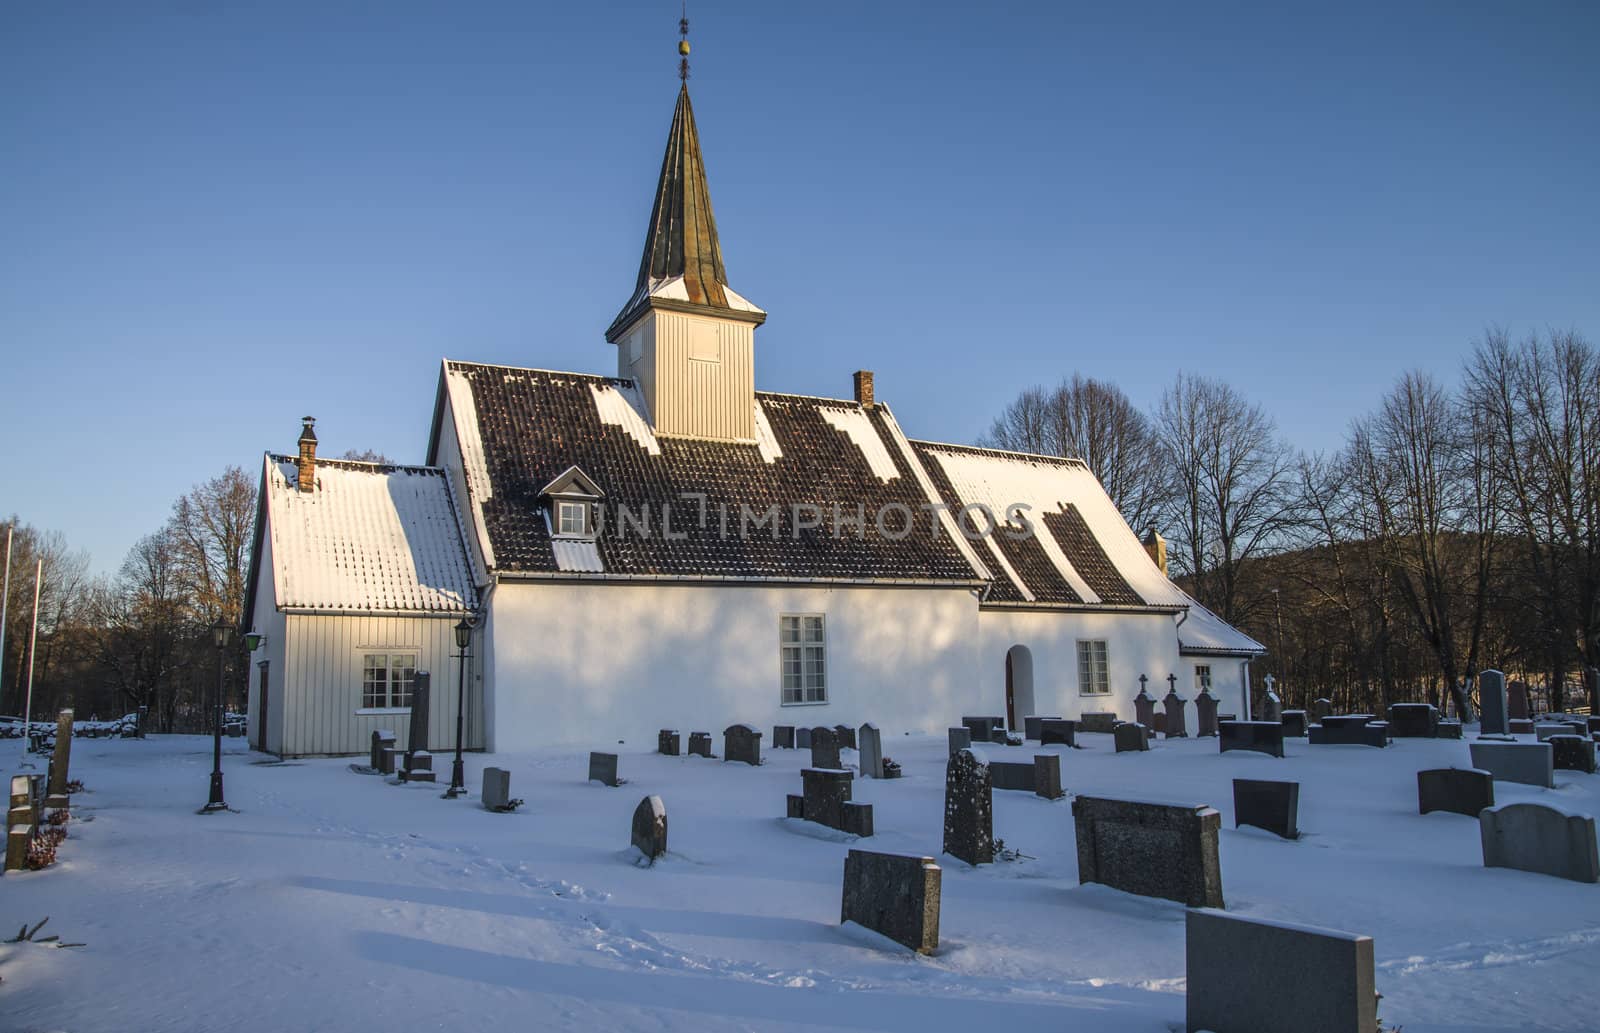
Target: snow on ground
337 901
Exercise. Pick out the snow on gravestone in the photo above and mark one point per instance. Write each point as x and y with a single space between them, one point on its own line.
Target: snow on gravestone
969 809
1534 838
650 827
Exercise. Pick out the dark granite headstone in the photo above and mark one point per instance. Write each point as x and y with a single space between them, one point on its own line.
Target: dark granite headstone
1205 709
1520 726
1447 730
1254 976
1458 790
797 806
960 739
845 736
1154 850
1032 727
1144 708
1047 776
857 818
1572 753
1493 706
825 794
783 737
1413 720
1350 730
741 743
1058 731
650 828
382 741
391 760
1011 775
982 728
802 738
969 809
824 748
668 742
1274 806
1098 721
1260 736
1131 737
700 745
1294 724
603 768
1321 707
417 729
1177 723
1517 701
893 895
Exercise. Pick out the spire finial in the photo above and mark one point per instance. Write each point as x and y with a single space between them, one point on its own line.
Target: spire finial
683 44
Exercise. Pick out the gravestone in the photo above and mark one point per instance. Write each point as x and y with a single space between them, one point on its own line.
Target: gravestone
1033 727
1011 775
783 737
1131 737
960 739
870 746
824 748
969 809
496 794
1530 763
1543 730
1272 706
741 743
1247 975
1593 723
826 801
1493 713
700 745
418 762
1058 731
418 767
1591 682
1534 838
1205 709
1321 708
802 738
650 828
1047 776
1294 724
1154 850
1413 720
603 768
845 736
1350 730
1177 724
143 723
392 760
1457 790
1447 730
893 895
857 819
61 760
1517 700
668 742
1158 723
1572 753
1103 722
1520 726
1274 806
383 741
984 727
1144 708
18 837
1260 736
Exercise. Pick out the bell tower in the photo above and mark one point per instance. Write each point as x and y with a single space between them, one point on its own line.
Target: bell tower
684 336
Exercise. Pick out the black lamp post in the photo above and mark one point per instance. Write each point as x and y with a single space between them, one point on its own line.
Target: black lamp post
458 774
221 636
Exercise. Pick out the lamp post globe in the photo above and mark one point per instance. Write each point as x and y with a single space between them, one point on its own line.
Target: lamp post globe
458 774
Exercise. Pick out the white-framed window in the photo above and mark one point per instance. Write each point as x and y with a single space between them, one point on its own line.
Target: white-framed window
572 518
386 680
1202 678
802 654
1094 678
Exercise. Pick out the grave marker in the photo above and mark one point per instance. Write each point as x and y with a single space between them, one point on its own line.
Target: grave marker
783 737
741 743
668 742
650 828
1247 975
1098 721
1530 763
382 740
894 895
1154 850
1572 753
1059 731
1144 706
61 760
845 736
802 738
1274 806
1493 711
1205 709
825 748
496 794
700 745
1131 737
1517 701
871 751
969 809
1260 736
1321 708
1457 790
1177 726
1294 724
603 769
1413 720
1534 838
1047 776
960 739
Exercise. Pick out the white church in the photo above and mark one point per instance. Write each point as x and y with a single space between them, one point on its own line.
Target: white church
671 548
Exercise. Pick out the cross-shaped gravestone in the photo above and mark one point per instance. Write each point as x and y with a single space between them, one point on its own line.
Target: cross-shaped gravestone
1271 681
1172 683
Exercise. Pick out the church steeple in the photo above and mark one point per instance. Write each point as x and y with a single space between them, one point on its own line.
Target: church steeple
682 259
685 338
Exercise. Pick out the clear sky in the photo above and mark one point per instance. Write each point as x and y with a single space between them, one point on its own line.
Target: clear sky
217 216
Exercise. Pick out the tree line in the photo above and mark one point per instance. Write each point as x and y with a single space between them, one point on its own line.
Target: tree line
1455 529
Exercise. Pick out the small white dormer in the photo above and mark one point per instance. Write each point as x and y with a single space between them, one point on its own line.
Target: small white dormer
572 498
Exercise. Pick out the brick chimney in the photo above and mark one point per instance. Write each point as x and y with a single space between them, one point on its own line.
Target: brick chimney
306 465
1156 546
864 388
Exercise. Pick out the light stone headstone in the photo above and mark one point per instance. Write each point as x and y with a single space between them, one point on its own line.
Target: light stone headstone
496 795
1534 838
62 758
1248 976
869 744
1530 763
1272 707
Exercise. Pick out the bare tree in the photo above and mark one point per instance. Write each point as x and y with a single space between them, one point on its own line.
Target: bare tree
210 534
142 627
1230 495
367 455
61 587
1088 419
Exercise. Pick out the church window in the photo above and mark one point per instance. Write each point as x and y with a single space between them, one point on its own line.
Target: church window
802 650
1093 672
1202 677
386 680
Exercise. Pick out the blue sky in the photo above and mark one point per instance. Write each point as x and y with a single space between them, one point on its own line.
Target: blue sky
220 216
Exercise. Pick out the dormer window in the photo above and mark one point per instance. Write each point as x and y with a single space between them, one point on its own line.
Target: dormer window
571 498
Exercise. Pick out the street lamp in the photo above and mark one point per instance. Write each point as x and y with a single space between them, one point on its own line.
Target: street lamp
221 636
458 774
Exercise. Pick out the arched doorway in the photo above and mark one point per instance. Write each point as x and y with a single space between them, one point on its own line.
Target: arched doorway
1019 686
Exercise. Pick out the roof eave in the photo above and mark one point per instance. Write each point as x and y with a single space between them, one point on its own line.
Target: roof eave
638 306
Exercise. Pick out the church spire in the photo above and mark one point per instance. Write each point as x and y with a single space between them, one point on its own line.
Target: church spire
680 245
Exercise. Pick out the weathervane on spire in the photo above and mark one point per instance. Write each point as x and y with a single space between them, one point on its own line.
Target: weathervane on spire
683 43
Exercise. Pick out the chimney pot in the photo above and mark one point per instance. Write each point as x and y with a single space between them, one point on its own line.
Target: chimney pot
864 388
306 465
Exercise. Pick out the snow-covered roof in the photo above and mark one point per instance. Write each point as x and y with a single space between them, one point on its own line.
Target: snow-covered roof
370 538
1081 552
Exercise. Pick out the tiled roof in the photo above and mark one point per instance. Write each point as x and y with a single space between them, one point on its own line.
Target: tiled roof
370 538
520 428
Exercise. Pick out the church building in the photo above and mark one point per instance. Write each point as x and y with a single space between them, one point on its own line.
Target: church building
670 548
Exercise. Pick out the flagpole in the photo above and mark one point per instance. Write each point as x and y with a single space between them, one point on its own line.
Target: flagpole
33 639
5 597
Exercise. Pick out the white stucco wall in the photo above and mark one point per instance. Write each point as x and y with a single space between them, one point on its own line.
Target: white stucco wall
576 663
270 624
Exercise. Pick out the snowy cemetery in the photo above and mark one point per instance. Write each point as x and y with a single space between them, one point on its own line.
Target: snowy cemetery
1293 872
